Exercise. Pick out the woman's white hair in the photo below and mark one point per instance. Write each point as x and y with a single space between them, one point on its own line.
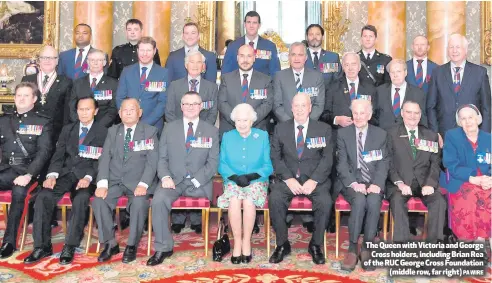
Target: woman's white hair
475 110
244 107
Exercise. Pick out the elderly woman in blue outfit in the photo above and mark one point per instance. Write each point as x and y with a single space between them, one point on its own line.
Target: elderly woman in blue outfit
245 166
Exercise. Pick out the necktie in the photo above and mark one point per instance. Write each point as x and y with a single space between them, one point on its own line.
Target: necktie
352 91
299 146
126 146
396 102
419 77
368 56
45 81
189 136
93 84
360 159
143 76
412 143
83 135
193 84
457 80
252 44
316 60
78 64
244 88
298 82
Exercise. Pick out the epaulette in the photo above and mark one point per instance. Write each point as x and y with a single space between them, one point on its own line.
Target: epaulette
43 115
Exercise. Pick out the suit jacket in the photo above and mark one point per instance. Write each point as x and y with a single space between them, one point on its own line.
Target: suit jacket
326 57
107 112
424 168
200 163
208 91
284 89
66 64
56 107
153 103
66 158
377 67
176 66
428 75
347 170
315 163
267 66
460 159
230 95
385 118
125 55
140 166
442 102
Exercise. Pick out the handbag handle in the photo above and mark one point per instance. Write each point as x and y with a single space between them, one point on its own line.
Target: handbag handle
221 226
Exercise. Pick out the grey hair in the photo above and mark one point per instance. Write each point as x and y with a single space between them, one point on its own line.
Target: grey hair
475 110
244 107
191 93
396 61
95 50
191 53
364 102
346 54
463 39
297 43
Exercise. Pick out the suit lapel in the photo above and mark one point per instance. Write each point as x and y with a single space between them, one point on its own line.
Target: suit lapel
120 140
291 80
73 142
389 101
71 62
236 84
137 136
411 73
449 79
466 77
91 134
404 139
292 138
346 90
352 145
102 83
136 74
309 62
181 136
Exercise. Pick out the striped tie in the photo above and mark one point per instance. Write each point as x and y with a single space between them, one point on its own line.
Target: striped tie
298 82
396 102
457 80
93 84
193 84
78 64
299 147
360 159
352 91
143 76
83 135
244 88
419 77
189 136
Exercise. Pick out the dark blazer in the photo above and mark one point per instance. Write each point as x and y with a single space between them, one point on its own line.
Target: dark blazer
460 160
442 102
378 62
347 157
125 55
266 66
315 163
176 66
326 57
383 108
424 168
66 64
428 75
66 158
107 112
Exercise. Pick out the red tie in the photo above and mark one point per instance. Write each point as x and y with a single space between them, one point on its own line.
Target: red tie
252 44
244 88
143 76
93 84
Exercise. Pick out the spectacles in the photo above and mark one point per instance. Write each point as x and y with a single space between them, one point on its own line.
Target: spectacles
46 58
95 60
191 104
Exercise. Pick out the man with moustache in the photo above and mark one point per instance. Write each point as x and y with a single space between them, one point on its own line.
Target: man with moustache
373 62
420 67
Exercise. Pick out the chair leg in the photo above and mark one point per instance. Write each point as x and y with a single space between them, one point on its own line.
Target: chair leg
426 219
89 231
219 215
206 212
149 233
337 230
266 213
118 223
392 223
385 226
5 213
64 219
324 244
24 231
98 247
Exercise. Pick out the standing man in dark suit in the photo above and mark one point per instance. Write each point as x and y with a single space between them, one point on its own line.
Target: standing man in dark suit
420 67
373 62
266 56
127 166
208 91
391 96
245 85
126 54
188 161
73 168
456 83
414 171
176 61
25 143
362 168
97 85
147 82
302 156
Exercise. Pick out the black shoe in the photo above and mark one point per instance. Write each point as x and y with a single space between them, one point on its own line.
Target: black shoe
316 254
177 228
331 228
197 228
256 228
108 252
54 223
280 252
289 223
158 258
6 250
130 254
38 254
247 258
413 230
236 259
67 254
309 226
124 220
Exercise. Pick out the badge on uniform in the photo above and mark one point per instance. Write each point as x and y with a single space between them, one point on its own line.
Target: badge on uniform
258 93
317 142
155 86
142 145
310 91
483 158
263 54
326 68
373 155
103 94
30 129
380 69
92 152
425 145
427 79
207 105
201 142
85 67
364 97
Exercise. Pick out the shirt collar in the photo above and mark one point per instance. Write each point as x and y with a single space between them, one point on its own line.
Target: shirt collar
149 66
370 53
363 130
416 131
197 78
98 77
195 122
305 125
84 48
88 126
312 50
453 65
194 48
132 127
300 72
49 75
424 60
250 72
255 40
403 86
349 81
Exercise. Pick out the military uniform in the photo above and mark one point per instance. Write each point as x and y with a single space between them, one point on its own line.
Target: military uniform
34 130
125 55
377 66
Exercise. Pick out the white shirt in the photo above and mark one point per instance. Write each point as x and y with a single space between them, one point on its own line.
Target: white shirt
149 67
98 78
424 67
241 73
370 53
416 132
84 53
296 72
311 50
188 49
453 70
401 92
43 74
356 84
304 130
185 125
246 40
197 84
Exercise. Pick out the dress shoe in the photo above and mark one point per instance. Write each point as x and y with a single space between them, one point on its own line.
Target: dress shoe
331 228
236 259
289 223
177 228
316 254
365 255
38 254
280 252
256 229
54 223
130 254
197 228
108 252
309 226
247 258
6 250
349 262
66 256
413 230
158 258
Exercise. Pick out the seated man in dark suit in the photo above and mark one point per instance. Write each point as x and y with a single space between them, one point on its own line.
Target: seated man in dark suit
303 169
414 171
391 96
73 168
362 168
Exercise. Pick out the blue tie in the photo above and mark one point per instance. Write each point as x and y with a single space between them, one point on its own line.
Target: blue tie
83 135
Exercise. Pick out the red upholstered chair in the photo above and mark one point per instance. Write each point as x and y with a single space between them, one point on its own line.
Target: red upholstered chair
5 201
342 205
414 204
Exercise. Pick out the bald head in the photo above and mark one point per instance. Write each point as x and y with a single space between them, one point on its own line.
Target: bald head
420 47
48 59
457 48
245 57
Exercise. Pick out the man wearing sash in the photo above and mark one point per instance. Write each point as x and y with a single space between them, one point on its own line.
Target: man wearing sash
373 62
25 143
72 170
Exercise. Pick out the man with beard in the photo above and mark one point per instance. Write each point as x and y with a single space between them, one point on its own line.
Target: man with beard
420 67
